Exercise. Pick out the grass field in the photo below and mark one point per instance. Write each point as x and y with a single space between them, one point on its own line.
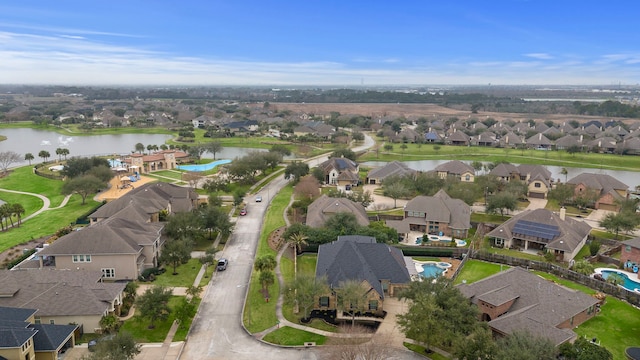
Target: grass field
186 274
474 270
291 337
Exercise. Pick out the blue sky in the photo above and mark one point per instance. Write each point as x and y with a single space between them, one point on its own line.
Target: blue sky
339 43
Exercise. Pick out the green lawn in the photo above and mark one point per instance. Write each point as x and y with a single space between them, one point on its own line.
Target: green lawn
186 274
474 270
419 349
139 327
174 174
260 314
291 337
555 158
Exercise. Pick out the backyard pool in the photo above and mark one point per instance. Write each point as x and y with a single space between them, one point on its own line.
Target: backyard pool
436 238
628 284
431 269
203 167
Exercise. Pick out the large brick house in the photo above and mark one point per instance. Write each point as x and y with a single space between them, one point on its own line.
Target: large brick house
608 190
630 255
435 214
382 270
518 300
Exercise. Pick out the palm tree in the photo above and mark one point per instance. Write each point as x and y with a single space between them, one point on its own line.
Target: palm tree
18 210
5 212
565 173
296 240
44 154
29 157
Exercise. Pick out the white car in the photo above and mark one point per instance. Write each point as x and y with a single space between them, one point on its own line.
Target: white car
259 198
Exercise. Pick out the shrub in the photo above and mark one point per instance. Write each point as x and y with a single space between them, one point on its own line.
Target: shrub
594 247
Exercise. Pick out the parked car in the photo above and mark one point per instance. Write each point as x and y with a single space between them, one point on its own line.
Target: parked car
259 198
243 212
222 264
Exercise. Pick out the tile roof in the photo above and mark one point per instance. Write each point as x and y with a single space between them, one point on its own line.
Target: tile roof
356 257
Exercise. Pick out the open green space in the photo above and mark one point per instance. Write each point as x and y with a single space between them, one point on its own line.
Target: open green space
292 337
474 270
139 327
186 274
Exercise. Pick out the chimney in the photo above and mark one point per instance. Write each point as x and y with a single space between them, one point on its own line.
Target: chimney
540 136
563 213
581 138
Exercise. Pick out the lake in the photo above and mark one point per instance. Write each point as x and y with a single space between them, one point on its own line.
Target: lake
630 178
33 141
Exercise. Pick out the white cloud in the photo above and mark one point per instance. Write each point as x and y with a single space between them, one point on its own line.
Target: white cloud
69 59
539 56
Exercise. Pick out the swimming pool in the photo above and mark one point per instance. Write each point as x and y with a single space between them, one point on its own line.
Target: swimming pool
628 284
203 167
432 269
459 243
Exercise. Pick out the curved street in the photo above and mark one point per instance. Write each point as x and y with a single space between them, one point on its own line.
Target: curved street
217 331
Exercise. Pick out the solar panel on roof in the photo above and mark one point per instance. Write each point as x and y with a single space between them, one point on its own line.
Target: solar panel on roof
538 230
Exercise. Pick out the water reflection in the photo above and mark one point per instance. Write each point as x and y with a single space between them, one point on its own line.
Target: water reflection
630 178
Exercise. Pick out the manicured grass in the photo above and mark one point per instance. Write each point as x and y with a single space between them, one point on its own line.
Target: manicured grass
474 270
174 174
307 263
207 275
139 327
616 327
292 337
612 236
259 314
488 218
183 329
555 158
583 253
186 274
418 349
425 258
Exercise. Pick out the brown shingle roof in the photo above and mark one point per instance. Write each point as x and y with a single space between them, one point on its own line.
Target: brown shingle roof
324 207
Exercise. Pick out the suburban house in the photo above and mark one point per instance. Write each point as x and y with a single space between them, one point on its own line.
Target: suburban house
457 169
340 171
382 270
540 230
394 168
608 190
457 138
125 235
434 214
21 338
145 203
243 126
539 142
117 247
518 300
159 160
537 177
315 128
630 255
62 296
325 207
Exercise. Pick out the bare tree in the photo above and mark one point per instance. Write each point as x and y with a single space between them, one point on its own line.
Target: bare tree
308 186
192 178
7 158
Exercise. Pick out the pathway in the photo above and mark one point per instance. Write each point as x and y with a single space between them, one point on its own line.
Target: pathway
46 202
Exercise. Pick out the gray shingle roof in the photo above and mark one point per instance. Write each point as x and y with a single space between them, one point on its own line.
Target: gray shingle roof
601 182
394 168
455 167
635 242
442 208
357 257
51 337
571 231
324 207
540 304
59 292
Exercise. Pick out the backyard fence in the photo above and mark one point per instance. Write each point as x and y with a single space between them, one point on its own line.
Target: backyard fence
599 285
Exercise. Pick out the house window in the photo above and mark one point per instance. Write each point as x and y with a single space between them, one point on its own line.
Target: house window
37 320
52 322
627 248
373 304
467 178
499 242
536 185
324 301
81 258
109 273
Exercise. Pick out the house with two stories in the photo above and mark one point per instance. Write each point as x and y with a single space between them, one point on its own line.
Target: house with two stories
340 171
159 160
541 230
22 339
537 177
62 296
435 214
456 169
380 268
519 300
607 190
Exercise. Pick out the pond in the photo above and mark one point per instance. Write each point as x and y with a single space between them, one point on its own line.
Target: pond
33 141
630 178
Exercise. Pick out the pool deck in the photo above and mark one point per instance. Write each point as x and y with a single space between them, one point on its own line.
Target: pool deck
115 191
455 264
632 276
